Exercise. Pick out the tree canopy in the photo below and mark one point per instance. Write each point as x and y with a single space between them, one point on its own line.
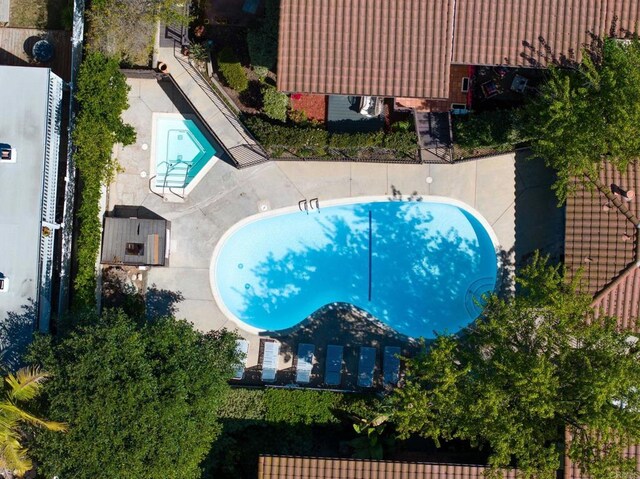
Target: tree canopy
589 114
529 369
141 398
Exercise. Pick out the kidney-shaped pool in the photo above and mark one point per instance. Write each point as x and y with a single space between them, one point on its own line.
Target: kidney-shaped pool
419 266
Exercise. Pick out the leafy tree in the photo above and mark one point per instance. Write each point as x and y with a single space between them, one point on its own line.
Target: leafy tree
141 397
275 103
589 114
20 388
497 129
530 368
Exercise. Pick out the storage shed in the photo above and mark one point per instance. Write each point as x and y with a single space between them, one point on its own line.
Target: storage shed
134 241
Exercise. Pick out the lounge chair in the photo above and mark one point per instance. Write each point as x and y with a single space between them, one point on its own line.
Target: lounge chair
391 365
270 357
305 362
333 368
366 367
242 347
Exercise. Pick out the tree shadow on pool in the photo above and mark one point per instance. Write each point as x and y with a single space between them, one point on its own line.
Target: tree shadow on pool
423 279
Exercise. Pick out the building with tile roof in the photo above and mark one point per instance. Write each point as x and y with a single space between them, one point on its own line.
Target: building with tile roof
407 48
292 467
601 242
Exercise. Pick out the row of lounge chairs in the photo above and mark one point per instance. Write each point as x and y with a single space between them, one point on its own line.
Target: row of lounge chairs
333 366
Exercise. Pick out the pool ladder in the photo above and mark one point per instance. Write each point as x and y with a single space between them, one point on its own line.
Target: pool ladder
305 205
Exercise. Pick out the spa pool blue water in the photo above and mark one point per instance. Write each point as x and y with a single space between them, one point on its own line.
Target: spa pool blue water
181 151
420 267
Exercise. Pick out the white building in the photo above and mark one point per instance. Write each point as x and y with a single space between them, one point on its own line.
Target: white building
30 119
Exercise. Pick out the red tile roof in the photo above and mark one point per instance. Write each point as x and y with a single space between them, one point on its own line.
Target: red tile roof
572 471
288 467
515 32
362 47
405 48
601 240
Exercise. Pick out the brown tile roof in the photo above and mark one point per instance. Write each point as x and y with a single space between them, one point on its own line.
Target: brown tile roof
572 471
405 48
601 239
494 32
289 467
364 47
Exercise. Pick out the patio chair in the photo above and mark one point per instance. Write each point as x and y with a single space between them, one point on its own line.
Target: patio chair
305 363
391 365
333 367
270 357
366 367
242 347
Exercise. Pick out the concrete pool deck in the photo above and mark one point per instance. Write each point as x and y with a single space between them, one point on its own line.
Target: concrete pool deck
227 195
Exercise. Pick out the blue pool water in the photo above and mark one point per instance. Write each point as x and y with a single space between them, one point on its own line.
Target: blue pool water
420 267
181 151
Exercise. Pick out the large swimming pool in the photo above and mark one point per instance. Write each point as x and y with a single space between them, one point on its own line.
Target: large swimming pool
181 151
418 266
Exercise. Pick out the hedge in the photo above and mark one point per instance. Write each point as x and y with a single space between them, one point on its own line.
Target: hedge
309 140
281 421
496 129
232 70
102 97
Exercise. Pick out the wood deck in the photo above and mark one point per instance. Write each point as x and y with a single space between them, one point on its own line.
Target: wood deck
16 42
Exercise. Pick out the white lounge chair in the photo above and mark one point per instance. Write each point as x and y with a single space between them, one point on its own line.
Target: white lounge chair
242 347
305 362
366 367
270 357
391 365
333 367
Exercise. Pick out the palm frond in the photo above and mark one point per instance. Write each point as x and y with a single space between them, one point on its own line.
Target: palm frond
14 457
10 410
26 384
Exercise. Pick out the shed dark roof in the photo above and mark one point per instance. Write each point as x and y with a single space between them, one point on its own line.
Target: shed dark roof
289 467
118 232
405 48
601 239
363 47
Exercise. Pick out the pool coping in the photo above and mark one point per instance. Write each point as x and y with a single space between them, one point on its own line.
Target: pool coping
152 150
338 202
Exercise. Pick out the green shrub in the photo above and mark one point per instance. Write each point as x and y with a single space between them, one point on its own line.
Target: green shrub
261 72
274 103
301 407
262 41
232 70
312 141
498 129
102 97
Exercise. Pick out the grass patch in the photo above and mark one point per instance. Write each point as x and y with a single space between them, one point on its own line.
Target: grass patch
43 14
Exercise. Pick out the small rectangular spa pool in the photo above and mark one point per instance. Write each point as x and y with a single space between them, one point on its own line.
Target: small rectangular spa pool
181 152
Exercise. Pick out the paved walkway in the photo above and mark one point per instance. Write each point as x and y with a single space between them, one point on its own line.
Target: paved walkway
222 122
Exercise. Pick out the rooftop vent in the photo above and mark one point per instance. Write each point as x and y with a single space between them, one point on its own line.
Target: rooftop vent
4 283
7 154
